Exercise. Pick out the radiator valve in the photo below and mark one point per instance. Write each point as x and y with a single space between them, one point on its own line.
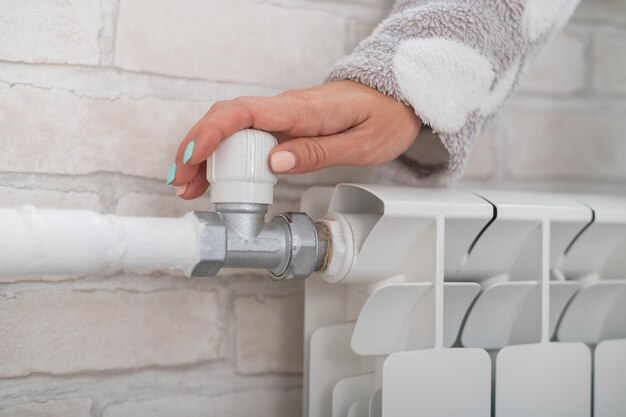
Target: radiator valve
236 235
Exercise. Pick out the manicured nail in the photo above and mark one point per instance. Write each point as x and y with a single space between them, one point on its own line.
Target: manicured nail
180 190
171 174
282 161
189 151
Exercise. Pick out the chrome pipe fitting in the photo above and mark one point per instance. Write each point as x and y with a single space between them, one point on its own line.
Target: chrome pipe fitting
290 246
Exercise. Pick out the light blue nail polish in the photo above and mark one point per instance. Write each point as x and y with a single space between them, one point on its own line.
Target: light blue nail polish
189 151
171 174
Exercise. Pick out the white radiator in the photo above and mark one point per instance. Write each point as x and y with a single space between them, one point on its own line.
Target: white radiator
455 303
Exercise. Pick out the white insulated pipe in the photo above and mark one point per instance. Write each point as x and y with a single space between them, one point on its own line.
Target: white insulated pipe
48 241
52 242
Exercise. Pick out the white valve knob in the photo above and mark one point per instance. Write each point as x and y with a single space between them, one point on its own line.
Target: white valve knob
239 171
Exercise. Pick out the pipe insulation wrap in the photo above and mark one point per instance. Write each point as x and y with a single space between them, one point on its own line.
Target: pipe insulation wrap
49 241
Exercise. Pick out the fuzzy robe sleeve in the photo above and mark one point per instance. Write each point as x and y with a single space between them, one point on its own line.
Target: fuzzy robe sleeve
455 62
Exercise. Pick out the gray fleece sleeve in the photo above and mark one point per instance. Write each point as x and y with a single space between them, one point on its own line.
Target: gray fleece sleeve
455 62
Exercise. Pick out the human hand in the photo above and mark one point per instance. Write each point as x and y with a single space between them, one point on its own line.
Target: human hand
337 123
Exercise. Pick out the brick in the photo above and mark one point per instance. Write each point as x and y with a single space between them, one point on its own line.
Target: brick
12 197
601 11
62 133
111 83
381 4
330 176
560 67
373 3
139 204
369 11
609 58
60 332
269 334
246 403
235 40
575 142
358 31
482 160
75 407
362 30
54 31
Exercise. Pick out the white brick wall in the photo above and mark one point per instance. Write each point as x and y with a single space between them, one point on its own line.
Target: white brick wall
609 52
96 95
127 136
560 68
236 40
65 332
67 408
45 198
258 403
60 32
601 11
263 325
554 142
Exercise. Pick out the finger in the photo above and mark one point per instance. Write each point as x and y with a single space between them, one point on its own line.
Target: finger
197 185
227 118
291 114
201 141
223 120
303 155
183 173
297 113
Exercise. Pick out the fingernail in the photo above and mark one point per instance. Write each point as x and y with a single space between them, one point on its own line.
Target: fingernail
282 161
171 174
189 151
180 190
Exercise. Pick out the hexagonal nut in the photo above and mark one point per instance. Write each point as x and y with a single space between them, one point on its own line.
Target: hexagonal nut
304 246
212 244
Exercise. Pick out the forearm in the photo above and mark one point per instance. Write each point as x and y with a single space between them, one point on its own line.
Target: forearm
455 62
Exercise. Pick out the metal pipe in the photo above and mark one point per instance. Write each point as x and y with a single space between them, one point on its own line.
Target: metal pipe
288 246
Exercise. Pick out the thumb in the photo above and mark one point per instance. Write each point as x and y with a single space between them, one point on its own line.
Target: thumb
301 155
